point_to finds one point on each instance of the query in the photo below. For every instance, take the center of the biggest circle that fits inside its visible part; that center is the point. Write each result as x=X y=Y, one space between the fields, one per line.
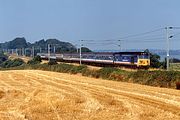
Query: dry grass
x=26 y=59
x=175 y=66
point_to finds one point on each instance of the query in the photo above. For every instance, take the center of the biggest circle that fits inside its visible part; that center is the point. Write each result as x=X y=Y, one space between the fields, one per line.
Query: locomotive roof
x=134 y=53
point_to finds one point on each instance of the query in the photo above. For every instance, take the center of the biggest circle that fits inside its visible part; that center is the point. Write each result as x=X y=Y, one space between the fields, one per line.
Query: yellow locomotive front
x=143 y=60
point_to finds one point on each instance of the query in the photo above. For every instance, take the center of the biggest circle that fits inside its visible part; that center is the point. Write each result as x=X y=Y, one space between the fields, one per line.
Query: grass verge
x=168 y=79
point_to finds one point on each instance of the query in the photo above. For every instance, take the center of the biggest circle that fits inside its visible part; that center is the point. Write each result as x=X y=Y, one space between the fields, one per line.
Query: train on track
x=130 y=59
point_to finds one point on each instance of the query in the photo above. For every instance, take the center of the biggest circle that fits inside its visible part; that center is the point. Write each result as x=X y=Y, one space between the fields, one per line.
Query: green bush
x=17 y=62
x=106 y=72
x=32 y=62
x=152 y=78
x=52 y=62
x=35 y=60
x=90 y=73
x=65 y=68
x=78 y=69
x=119 y=75
x=3 y=57
x=155 y=78
x=12 y=63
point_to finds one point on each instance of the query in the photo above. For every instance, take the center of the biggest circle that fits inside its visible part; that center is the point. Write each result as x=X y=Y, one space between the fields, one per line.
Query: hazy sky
x=73 y=20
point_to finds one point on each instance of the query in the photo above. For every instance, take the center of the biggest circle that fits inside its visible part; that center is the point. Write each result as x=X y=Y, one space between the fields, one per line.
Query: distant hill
x=60 y=46
x=16 y=43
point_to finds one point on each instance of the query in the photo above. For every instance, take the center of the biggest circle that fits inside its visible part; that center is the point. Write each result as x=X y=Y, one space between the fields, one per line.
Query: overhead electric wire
x=127 y=40
x=150 y=41
x=101 y=40
x=175 y=39
x=104 y=45
x=175 y=27
x=116 y=44
x=140 y=34
x=144 y=40
x=177 y=34
x=153 y=36
x=146 y=36
x=97 y=41
x=137 y=37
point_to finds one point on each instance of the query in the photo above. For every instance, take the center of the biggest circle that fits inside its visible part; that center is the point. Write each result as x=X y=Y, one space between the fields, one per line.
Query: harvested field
x=43 y=95
x=26 y=59
x=175 y=66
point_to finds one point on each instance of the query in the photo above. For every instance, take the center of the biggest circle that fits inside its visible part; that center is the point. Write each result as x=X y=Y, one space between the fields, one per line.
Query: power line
x=146 y=36
x=140 y=37
x=153 y=39
x=176 y=34
x=174 y=27
x=125 y=40
x=144 y=33
x=175 y=39
x=101 y=40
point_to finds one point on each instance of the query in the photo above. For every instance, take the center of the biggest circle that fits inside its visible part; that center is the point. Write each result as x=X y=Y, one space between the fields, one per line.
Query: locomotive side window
x=143 y=56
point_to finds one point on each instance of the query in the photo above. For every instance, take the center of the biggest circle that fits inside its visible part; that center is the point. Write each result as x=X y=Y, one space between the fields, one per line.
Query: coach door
x=132 y=59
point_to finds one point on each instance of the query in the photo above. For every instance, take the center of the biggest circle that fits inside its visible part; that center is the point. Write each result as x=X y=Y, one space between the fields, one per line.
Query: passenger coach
x=136 y=59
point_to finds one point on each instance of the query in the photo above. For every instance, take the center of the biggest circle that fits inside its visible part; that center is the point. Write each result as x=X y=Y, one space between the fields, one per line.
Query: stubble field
x=43 y=95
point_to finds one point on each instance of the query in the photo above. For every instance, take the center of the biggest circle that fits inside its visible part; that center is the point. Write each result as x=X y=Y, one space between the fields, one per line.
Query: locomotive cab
x=143 y=60
x=138 y=59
